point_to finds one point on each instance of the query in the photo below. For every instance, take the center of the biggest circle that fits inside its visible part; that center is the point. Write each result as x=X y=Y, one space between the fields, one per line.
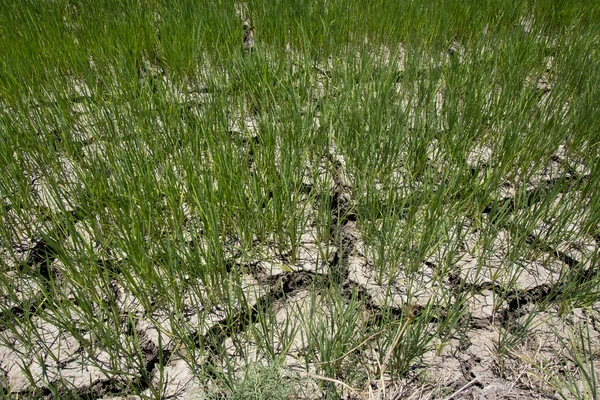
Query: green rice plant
x=408 y=340
x=147 y=151
x=332 y=334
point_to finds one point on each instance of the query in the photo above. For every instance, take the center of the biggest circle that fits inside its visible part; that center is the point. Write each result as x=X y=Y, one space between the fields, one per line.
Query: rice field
x=288 y=199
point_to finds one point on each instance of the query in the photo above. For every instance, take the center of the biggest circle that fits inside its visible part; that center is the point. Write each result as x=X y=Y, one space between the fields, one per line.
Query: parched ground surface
x=507 y=315
x=487 y=307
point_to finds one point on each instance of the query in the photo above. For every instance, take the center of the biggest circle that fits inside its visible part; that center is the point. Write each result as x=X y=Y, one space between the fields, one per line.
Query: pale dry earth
x=488 y=357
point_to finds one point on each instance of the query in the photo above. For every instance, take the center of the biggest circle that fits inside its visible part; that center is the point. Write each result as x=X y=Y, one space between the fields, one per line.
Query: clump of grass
x=264 y=383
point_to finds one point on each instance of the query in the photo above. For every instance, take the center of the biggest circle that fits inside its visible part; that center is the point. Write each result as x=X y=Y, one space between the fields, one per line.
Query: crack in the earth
x=280 y=287
x=508 y=205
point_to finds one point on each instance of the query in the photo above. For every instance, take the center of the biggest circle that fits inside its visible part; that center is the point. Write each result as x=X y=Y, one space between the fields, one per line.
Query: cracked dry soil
x=469 y=363
x=509 y=316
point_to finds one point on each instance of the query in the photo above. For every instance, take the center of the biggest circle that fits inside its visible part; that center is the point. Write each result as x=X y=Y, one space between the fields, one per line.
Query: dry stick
x=461 y=389
x=381 y=387
x=386 y=360
x=324 y=378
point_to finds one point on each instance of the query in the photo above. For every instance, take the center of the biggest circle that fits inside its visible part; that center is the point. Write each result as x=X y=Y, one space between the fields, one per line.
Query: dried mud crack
x=529 y=197
x=369 y=217
x=281 y=287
